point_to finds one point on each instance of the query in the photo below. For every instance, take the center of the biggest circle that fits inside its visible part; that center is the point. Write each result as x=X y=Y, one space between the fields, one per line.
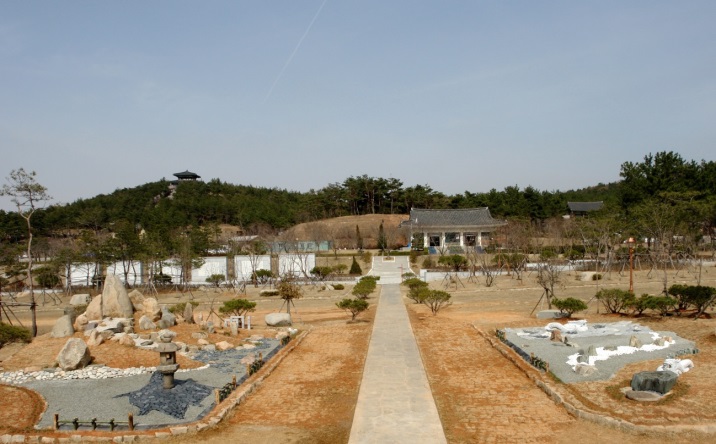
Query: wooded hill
x=664 y=177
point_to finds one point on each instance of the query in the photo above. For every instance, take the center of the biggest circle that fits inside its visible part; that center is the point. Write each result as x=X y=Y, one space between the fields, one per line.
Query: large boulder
x=81 y=322
x=151 y=308
x=278 y=319
x=660 y=382
x=168 y=319
x=63 y=327
x=80 y=299
x=145 y=323
x=113 y=302
x=224 y=345
x=137 y=299
x=74 y=355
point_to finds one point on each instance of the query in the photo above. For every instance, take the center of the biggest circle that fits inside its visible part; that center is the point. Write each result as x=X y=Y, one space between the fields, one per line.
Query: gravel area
x=607 y=339
x=141 y=395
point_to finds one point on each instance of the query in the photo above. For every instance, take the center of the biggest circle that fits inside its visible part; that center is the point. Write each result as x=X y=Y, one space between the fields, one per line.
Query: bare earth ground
x=480 y=395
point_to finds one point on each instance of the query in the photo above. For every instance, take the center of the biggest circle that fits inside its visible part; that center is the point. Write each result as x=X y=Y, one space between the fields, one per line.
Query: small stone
x=635 y=342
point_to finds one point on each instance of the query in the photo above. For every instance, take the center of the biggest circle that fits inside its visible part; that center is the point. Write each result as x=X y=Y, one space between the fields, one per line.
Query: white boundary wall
x=299 y=265
x=81 y=275
x=212 y=265
x=242 y=266
x=134 y=277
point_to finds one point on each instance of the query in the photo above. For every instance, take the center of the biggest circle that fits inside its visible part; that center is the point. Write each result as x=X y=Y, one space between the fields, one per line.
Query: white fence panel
x=212 y=265
x=242 y=266
x=81 y=275
x=134 y=277
x=298 y=265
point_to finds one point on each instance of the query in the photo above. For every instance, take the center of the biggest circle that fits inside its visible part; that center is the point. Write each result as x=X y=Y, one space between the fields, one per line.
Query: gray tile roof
x=460 y=218
x=579 y=207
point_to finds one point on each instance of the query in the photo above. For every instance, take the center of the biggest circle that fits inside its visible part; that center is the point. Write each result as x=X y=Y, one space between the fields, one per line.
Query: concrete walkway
x=395 y=404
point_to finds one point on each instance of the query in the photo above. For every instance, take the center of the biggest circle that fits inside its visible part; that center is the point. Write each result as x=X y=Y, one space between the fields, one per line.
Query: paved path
x=395 y=404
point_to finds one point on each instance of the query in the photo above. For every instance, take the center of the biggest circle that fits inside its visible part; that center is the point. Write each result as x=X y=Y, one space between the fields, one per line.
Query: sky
x=459 y=95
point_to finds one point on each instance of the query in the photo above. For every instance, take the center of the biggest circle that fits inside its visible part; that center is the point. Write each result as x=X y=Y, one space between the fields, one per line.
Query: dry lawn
x=481 y=396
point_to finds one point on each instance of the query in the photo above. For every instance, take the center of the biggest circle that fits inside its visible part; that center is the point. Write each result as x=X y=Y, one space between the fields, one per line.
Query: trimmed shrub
x=216 y=279
x=569 y=306
x=11 y=333
x=237 y=307
x=364 y=288
x=415 y=286
x=354 y=306
x=338 y=287
x=435 y=299
x=614 y=299
x=176 y=308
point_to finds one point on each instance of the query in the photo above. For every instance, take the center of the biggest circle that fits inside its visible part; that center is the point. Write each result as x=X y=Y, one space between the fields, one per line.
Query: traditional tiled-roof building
x=469 y=227
x=187 y=175
x=582 y=208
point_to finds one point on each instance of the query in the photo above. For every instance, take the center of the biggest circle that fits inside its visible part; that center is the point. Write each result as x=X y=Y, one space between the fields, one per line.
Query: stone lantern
x=167 y=360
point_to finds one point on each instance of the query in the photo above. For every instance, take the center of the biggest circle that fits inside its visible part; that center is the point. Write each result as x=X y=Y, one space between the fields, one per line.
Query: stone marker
x=188 y=314
x=660 y=382
x=278 y=319
x=74 y=355
x=63 y=327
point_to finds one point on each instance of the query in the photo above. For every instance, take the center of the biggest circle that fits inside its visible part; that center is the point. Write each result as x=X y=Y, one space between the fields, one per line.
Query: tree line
x=663 y=183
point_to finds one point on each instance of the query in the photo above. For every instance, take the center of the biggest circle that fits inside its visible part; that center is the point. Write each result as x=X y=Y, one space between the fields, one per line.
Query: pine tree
x=359 y=239
x=382 y=241
x=355 y=268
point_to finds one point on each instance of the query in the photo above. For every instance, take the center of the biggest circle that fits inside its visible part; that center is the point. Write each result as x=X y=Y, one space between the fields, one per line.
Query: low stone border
x=214 y=417
x=580 y=411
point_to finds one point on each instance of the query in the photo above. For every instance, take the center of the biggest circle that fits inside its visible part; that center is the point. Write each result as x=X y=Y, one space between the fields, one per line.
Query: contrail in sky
x=295 y=50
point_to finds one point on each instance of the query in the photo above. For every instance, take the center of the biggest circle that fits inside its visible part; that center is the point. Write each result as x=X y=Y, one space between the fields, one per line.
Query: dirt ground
x=480 y=395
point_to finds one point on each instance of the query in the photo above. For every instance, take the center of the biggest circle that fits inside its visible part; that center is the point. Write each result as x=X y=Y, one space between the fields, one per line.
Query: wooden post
x=130 y=421
x=217 y=396
x=233 y=382
x=56 y=421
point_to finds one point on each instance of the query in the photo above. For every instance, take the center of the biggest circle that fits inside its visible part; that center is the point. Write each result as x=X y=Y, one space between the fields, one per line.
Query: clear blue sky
x=468 y=95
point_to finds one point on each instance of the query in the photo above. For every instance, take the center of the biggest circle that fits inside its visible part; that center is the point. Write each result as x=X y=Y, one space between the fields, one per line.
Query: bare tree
x=26 y=194
x=548 y=276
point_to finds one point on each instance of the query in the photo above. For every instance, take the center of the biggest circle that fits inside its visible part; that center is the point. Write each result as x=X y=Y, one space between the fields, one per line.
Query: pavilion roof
x=583 y=207
x=187 y=175
x=464 y=217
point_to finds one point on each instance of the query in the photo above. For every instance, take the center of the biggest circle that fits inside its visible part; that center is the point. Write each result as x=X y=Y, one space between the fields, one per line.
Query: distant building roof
x=187 y=175
x=460 y=218
x=584 y=207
